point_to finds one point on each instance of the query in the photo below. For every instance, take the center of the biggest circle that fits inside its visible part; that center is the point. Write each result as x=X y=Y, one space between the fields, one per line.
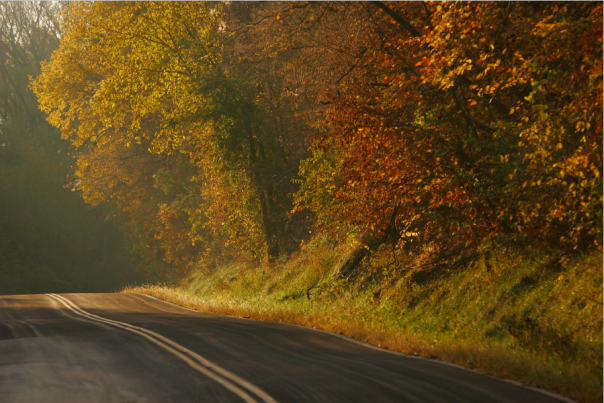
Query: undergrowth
x=529 y=317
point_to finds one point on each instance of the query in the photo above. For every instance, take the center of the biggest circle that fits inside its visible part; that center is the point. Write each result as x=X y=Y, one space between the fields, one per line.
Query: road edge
x=371 y=346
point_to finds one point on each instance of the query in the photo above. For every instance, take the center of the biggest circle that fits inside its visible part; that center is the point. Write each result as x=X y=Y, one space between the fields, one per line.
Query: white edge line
x=374 y=347
x=206 y=367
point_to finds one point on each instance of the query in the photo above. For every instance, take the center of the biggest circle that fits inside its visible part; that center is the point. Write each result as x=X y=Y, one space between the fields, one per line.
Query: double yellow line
x=232 y=382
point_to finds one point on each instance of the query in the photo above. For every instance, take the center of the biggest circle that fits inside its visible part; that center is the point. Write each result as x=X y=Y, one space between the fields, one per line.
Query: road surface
x=133 y=348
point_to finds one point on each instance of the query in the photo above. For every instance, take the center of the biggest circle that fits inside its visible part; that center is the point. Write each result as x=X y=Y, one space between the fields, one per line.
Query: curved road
x=133 y=348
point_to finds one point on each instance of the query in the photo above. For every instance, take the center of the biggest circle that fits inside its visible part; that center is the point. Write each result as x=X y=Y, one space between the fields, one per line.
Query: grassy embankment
x=515 y=316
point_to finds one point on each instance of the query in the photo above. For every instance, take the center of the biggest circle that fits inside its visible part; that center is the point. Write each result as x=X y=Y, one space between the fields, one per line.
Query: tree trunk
x=368 y=244
x=264 y=194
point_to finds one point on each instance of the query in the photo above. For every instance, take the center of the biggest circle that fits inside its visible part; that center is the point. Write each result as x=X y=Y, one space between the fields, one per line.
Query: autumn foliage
x=223 y=131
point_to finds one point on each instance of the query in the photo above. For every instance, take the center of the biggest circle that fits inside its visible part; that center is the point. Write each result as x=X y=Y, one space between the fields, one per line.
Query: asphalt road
x=132 y=348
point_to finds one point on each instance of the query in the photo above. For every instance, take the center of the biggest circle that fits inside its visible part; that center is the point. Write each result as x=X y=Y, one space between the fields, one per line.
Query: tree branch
x=403 y=22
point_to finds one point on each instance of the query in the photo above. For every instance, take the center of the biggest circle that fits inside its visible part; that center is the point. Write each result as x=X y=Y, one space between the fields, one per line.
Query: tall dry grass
x=516 y=316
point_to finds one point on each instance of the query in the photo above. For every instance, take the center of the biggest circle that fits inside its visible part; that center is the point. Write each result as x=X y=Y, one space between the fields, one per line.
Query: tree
x=452 y=125
x=172 y=130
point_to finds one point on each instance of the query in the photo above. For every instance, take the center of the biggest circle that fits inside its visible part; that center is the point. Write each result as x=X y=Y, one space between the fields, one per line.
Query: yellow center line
x=232 y=382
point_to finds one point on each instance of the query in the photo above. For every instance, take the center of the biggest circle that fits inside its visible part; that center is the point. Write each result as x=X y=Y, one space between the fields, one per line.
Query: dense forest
x=237 y=131
x=50 y=239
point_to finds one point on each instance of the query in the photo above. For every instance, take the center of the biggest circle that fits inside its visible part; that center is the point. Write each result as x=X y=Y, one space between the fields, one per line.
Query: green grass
x=514 y=316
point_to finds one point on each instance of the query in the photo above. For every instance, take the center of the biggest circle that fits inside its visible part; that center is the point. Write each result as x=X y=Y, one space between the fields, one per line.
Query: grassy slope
x=513 y=317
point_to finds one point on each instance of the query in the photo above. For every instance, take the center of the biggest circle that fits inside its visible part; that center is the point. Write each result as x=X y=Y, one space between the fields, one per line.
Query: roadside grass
x=527 y=318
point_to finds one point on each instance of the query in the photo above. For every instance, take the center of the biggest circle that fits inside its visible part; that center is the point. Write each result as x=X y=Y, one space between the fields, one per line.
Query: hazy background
x=50 y=240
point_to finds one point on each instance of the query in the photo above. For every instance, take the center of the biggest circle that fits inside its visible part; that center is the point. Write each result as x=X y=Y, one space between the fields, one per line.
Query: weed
x=533 y=318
